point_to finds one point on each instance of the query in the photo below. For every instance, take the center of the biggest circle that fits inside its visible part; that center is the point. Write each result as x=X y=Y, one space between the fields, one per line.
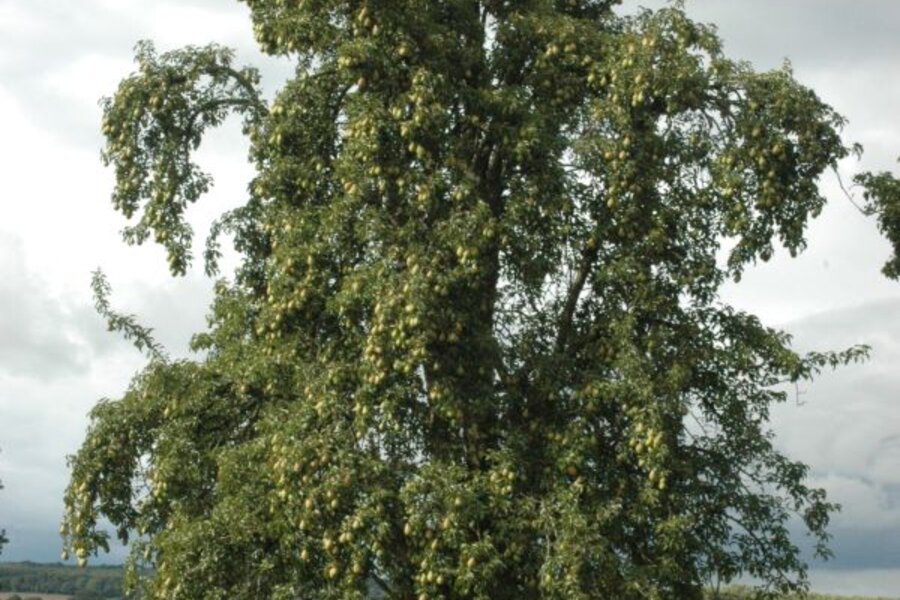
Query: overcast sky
x=56 y=358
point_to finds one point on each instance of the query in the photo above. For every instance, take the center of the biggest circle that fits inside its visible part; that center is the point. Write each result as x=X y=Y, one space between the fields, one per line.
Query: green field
x=32 y=596
x=61 y=582
x=46 y=580
x=741 y=593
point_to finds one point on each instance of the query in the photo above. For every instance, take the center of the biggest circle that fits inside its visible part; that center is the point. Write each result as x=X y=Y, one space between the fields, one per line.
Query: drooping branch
x=588 y=257
x=154 y=122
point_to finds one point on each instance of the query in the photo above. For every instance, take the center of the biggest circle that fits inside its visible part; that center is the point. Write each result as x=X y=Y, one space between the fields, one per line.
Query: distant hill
x=33 y=596
x=89 y=583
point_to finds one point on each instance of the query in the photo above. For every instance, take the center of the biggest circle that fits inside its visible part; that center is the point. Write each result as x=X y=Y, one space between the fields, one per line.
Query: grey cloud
x=176 y=309
x=44 y=337
x=42 y=420
x=854 y=549
x=34 y=337
x=822 y=33
x=53 y=32
x=871 y=549
x=55 y=35
x=881 y=318
x=847 y=428
x=832 y=33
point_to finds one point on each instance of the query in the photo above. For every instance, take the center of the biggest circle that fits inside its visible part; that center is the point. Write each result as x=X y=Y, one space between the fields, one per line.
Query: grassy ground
x=731 y=594
x=735 y=593
x=741 y=593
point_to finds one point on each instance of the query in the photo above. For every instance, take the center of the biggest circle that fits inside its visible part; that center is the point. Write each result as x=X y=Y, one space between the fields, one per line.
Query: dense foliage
x=475 y=347
x=94 y=582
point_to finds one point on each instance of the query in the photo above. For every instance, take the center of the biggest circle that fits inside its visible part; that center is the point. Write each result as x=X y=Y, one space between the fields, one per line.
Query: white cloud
x=34 y=337
x=67 y=81
x=847 y=428
x=170 y=23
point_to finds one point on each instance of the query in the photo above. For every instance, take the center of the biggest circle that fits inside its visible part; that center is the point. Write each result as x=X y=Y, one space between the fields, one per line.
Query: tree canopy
x=475 y=346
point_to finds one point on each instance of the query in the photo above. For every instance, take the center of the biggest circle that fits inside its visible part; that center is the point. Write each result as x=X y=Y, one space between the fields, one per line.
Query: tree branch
x=381 y=584
x=588 y=256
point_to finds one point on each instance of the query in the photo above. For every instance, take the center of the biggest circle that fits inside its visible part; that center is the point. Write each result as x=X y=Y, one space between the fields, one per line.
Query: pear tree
x=475 y=346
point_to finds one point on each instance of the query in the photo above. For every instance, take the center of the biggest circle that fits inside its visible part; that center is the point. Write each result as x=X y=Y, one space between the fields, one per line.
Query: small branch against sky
x=124 y=324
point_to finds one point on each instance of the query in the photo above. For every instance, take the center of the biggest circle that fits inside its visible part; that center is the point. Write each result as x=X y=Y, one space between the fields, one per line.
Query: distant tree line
x=3 y=539
x=77 y=596
x=93 y=583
